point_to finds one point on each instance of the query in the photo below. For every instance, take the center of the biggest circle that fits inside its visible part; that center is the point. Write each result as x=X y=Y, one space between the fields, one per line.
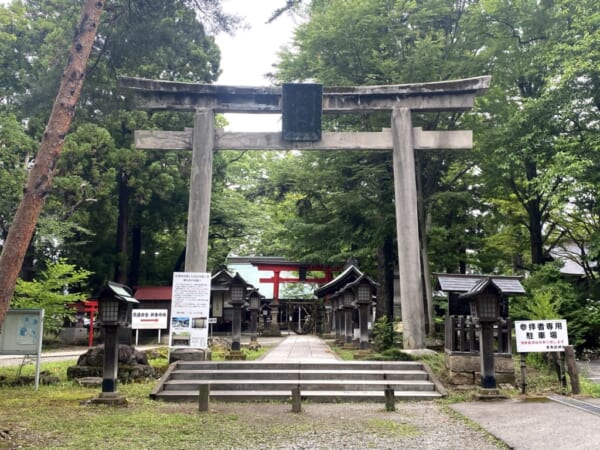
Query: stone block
x=189 y=354
x=458 y=378
x=465 y=368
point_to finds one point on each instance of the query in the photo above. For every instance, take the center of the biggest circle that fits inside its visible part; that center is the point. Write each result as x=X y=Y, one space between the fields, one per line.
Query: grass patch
x=219 y=353
x=589 y=388
x=344 y=353
x=391 y=354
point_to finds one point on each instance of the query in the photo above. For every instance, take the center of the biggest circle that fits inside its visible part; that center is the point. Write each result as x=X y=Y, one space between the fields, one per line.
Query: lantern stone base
x=253 y=345
x=109 y=399
x=489 y=394
x=272 y=330
x=235 y=355
x=190 y=354
x=464 y=368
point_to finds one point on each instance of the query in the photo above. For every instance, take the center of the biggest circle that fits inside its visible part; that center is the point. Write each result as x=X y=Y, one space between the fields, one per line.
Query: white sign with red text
x=149 y=319
x=548 y=335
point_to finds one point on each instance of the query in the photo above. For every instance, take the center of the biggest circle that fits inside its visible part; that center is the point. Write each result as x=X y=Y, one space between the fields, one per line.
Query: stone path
x=300 y=348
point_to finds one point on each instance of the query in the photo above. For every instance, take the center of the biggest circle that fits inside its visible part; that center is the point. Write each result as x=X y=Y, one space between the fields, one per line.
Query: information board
x=190 y=306
x=21 y=334
x=541 y=335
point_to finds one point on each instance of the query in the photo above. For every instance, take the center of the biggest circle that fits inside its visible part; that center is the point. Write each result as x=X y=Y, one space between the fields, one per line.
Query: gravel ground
x=414 y=425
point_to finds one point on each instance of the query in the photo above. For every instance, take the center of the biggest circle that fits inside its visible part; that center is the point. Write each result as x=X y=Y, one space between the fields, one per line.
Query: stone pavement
x=534 y=425
x=300 y=348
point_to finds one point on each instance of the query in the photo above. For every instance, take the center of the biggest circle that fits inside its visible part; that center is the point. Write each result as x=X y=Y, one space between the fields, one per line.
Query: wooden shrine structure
x=462 y=332
x=402 y=139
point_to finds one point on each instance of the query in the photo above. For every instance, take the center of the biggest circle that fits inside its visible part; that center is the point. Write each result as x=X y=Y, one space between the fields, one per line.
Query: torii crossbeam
x=402 y=139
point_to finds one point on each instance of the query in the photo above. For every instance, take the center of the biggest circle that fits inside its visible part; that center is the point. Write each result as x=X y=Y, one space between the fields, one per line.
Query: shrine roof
x=349 y=275
x=145 y=293
x=460 y=283
x=373 y=284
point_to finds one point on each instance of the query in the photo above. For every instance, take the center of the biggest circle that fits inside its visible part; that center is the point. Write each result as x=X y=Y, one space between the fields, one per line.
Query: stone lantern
x=348 y=305
x=364 y=300
x=114 y=309
x=237 y=290
x=484 y=301
x=254 y=306
x=337 y=321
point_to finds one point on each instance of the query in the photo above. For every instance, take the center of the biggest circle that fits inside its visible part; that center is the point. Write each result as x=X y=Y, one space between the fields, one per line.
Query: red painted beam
x=295 y=267
x=293 y=280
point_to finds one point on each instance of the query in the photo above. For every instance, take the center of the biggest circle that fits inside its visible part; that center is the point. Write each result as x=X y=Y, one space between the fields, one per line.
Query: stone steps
x=318 y=382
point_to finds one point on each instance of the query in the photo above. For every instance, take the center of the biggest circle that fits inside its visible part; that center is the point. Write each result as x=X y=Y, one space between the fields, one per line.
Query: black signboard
x=301 y=105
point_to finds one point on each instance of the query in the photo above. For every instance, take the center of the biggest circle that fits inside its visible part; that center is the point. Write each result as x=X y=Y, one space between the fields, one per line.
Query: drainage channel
x=584 y=406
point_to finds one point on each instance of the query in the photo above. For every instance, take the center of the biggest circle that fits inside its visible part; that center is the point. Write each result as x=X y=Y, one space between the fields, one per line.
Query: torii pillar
x=203 y=137
x=407 y=230
x=403 y=140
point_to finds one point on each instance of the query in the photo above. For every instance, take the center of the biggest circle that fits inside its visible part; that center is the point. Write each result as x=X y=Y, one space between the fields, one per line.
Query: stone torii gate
x=402 y=139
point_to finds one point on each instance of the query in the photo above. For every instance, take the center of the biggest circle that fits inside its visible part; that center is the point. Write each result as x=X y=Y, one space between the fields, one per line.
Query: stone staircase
x=337 y=381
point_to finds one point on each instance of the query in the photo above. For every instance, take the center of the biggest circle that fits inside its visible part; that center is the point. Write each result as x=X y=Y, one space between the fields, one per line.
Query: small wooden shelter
x=461 y=343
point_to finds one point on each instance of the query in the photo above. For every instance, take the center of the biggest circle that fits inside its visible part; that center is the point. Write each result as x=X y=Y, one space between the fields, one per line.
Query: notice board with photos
x=21 y=333
x=190 y=306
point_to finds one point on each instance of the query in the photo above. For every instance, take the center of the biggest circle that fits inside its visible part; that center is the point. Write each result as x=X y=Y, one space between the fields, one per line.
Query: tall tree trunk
x=535 y=232
x=534 y=212
x=40 y=177
x=136 y=252
x=385 y=278
x=122 y=228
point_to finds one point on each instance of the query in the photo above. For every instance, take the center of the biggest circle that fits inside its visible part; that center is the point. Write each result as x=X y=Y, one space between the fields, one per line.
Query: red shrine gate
x=293 y=312
x=303 y=270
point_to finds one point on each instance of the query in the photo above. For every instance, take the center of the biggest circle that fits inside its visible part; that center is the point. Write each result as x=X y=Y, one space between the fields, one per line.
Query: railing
x=462 y=335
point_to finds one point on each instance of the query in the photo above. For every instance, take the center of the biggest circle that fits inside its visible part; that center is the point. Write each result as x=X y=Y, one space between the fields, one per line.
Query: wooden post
x=390 y=399
x=204 y=397
x=407 y=230
x=296 y=400
x=200 y=191
x=523 y=373
x=486 y=353
x=572 y=370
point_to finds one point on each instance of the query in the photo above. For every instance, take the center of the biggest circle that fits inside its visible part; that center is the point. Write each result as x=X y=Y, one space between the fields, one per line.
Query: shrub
x=383 y=334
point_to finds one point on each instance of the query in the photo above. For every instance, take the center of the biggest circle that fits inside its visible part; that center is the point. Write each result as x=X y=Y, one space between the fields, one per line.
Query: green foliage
x=56 y=287
x=546 y=292
x=384 y=336
x=80 y=217
x=391 y=354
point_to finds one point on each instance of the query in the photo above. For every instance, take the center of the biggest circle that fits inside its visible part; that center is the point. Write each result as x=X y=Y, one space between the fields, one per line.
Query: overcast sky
x=250 y=54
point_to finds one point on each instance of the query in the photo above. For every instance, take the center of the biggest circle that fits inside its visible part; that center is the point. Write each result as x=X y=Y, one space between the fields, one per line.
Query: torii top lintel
x=453 y=95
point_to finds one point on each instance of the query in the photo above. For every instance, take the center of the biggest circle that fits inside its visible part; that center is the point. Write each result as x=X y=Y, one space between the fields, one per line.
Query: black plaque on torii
x=301 y=106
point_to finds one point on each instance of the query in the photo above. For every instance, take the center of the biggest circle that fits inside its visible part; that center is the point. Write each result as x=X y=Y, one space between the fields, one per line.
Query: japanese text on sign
x=541 y=335
x=190 y=307
x=149 y=319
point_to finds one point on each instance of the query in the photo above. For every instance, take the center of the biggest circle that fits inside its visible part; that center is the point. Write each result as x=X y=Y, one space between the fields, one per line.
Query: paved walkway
x=300 y=348
x=535 y=425
x=522 y=425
